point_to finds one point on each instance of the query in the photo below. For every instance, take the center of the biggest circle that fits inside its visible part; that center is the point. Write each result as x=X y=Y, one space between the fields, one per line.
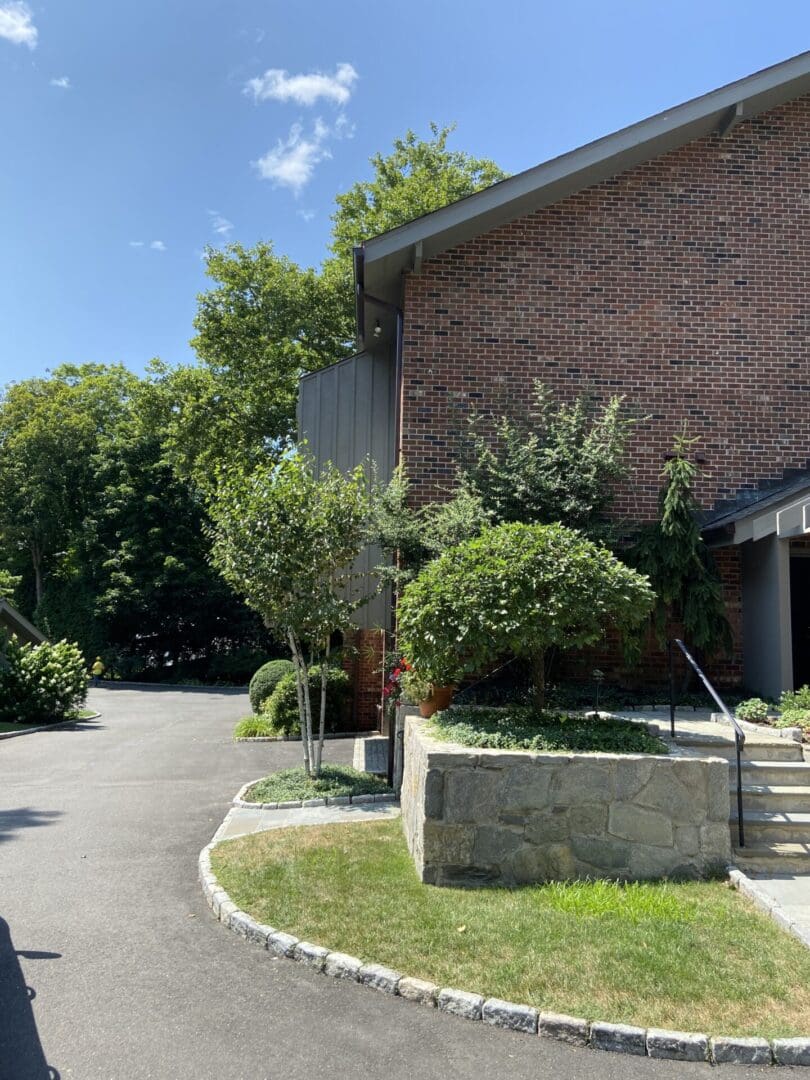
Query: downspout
x=361 y=298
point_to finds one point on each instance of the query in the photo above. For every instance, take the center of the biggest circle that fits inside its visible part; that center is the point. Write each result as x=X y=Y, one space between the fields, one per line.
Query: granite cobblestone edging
x=524 y=1019
x=299 y=804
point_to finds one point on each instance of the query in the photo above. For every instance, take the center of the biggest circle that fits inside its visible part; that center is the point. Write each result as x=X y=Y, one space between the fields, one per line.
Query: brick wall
x=681 y=284
x=364 y=660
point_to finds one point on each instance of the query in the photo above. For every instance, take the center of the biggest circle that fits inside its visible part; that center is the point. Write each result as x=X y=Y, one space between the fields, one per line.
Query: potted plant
x=429 y=694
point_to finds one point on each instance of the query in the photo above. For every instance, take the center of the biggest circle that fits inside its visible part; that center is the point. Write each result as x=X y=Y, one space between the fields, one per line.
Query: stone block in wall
x=611 y=857
x=684 y=800
x=451 y=844
x=582 y=780
x=643 y=826
x=471 y=795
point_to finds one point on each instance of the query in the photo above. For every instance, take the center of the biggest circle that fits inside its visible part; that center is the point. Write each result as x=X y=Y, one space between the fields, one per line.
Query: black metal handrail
x=739 y=734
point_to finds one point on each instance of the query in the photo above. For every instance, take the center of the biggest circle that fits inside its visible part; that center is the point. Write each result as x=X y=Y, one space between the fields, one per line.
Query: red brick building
x=667 y=263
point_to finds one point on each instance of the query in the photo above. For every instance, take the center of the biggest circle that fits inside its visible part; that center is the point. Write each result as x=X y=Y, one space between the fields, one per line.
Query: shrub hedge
x=40 y=683
x=265 y=680
x=282 y=708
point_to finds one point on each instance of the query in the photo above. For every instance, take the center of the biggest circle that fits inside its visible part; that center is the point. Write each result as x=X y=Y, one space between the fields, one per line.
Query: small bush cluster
x=525 y=728
x=266 y=680
x=40 y=683
x=334 y=781
x=795 y=699
x=795 y=718
x=754 y=709
x=281 y=710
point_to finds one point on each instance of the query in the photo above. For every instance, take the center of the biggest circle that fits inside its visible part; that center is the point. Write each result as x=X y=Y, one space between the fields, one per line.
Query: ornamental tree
x=518 y=589
x=672 y=553
x=285 y=539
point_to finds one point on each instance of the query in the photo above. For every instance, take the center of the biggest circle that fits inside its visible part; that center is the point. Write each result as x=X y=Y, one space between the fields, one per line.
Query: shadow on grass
x=21 y=1053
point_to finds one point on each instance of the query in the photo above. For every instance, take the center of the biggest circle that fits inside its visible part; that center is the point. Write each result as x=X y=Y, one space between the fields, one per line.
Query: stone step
x=773 y=772
x=778 y=827
x=756 y=749
x=772 y=797
x=775 y=858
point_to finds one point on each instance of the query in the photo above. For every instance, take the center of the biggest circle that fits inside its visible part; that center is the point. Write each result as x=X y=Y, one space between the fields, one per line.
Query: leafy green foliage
x=40 y=683
x=419 y=176
x=516 y=589
x=754 y=710
x=254 y=727
x=282 y=708
x=285 y=540
x=558 y=462
x=8 y=584
x=334 y=781
x=795 y=699
x=266 y=679
x=265 y=322
x=680 y=567
x=517 y=728
x=795 y=718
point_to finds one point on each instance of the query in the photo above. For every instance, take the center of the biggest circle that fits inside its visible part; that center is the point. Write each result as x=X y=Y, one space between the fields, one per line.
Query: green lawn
x=335 y=780
x=694 y=956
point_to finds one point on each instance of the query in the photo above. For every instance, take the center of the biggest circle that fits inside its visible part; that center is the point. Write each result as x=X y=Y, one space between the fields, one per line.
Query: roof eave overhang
x=387 y=256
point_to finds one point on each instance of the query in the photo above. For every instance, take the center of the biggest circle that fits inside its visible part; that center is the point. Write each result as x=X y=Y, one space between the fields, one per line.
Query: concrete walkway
x=791 y=892
x=111 y=967
x=240 y=821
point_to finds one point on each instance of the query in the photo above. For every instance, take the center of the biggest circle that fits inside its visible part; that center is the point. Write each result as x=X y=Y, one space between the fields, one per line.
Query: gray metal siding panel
x=346 y=414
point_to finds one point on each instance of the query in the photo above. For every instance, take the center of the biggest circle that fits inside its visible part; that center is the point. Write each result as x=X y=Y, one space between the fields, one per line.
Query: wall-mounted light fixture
x=377 y=329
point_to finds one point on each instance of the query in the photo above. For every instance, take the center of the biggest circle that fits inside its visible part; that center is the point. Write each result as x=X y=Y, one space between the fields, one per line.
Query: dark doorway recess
x=800 y=618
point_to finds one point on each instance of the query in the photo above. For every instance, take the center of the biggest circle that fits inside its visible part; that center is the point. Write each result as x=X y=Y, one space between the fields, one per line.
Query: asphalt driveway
x=111 y=967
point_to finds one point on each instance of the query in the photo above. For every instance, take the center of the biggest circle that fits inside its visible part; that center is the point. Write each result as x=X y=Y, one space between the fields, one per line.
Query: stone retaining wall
x=475 y=815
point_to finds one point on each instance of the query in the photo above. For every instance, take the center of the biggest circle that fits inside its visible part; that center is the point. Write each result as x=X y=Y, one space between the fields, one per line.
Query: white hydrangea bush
x=41 y=683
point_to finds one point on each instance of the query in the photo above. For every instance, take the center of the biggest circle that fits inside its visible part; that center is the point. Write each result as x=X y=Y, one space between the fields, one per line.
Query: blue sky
x=136 y=132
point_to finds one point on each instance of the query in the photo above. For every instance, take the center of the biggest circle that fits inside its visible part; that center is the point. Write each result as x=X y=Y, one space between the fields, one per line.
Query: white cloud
x=157 y=245
x=220 y=224
x=16 y=24
x=63 y=82
x=307 y=215
x=292 y=162
x=344 y=128
x=278 y=85
x=136 y=243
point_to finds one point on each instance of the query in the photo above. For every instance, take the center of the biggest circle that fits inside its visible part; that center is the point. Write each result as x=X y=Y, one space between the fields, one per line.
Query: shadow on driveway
x=170 y=688
x=26 y=817
x=21 y=1054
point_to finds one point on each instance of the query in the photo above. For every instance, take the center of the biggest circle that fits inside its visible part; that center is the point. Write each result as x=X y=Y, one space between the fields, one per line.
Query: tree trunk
x=36 y=559
x=322 y=728
x=539 y=679
x=302 y=687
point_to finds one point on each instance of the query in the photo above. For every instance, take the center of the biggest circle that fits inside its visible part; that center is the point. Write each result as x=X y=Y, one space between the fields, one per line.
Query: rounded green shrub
x=754 y=710
x=516 y=589
x=266 y=680
x=282 y=708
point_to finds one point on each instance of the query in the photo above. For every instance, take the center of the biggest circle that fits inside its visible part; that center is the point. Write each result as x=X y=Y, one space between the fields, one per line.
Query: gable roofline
x=386 y=256
x=17 y=623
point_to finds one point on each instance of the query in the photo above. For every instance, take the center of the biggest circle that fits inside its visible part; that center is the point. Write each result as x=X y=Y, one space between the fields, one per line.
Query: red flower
x=395 y=674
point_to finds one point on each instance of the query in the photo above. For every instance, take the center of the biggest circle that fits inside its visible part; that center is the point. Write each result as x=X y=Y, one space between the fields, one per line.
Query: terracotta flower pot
x=440 y=698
